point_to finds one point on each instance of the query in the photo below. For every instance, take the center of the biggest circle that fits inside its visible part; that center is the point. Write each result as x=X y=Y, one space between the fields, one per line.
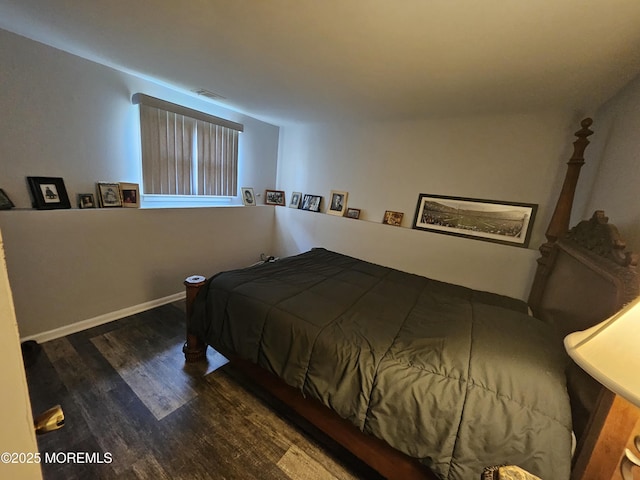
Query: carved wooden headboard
x=584 y=275
x=587 y=277
x=594 y=253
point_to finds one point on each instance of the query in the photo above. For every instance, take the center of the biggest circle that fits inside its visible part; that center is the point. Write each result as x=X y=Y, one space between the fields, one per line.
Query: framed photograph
x=48 y=193
x=86 y=200
x=109 y=195
x=337 y=203
x=311 y=203
x=353 y=213
x=274 y=197
x=295 y=200
x=509 y=223
x=130 y=195
x=248 y=198
x=5 y=202
x=392 y=218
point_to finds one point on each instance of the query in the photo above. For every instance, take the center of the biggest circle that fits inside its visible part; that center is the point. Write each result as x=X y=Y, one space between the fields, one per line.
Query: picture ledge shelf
x=111 y=209
x=399 y=227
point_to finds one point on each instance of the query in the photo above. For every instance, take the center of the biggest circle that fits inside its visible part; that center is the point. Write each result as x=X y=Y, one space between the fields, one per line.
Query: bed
x=420 y=378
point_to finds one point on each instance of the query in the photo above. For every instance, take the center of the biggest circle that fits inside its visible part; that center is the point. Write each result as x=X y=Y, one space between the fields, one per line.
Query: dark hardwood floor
x=128 y=397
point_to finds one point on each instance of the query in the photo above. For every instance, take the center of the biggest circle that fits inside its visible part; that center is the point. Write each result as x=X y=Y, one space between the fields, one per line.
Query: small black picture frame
x=86 y=200
x=311 y=203
x=353 y=213
x=5 y=201
x=48 y=193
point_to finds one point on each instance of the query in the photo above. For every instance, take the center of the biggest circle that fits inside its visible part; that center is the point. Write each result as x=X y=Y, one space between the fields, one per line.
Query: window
x=186 y=152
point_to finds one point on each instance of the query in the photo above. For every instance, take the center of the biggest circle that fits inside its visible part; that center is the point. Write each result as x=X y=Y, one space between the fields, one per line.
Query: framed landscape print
x=274 y=197
x=48 y=193
x=490 y=220
x=337 y=203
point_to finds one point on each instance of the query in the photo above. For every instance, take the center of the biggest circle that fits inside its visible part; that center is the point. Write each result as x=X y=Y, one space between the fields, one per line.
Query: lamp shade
x=610 y=352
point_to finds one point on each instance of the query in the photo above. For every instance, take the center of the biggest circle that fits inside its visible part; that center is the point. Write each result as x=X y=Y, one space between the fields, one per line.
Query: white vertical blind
x=217 y=160
x=184 y=152
x=167 y=149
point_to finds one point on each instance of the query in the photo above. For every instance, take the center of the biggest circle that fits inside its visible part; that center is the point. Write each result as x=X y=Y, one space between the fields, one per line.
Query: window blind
x=186 y=152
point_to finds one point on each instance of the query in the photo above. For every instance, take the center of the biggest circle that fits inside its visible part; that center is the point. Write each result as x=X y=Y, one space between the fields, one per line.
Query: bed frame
x=583 y=276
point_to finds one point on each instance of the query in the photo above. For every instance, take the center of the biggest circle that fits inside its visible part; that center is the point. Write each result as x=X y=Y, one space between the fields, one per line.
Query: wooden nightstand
x=614 y=427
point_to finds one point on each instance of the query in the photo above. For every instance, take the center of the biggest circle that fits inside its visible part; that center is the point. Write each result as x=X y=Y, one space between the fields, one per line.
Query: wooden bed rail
x=377 y=454
x=391 y=463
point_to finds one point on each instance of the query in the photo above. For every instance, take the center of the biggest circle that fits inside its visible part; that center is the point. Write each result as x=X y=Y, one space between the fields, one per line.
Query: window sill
x=184 y=201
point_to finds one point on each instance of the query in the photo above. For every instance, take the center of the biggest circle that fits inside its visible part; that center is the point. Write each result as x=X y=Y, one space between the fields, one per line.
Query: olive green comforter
x=458 y=378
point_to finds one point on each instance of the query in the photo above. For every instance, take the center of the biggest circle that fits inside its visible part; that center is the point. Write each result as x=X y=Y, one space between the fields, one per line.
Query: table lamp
x=610 y=353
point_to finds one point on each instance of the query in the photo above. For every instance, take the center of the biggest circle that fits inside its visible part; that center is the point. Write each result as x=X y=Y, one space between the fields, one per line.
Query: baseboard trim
x=102 y=319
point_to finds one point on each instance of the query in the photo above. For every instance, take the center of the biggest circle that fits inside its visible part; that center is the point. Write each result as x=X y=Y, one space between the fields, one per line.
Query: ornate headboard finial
x=585 y=124
x=580 y=144
x=603 y=239
x=559 y=224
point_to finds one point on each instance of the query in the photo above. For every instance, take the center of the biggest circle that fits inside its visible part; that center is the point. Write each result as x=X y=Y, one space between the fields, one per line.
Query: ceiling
x=318 y=60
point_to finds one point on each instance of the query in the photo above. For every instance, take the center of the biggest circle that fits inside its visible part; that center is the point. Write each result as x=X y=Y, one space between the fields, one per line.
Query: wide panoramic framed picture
x=508 y=223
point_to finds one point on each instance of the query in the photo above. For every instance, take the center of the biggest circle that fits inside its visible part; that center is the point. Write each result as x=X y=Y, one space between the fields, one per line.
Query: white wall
x=488 y=266
x=17 y=433
x=69 y=117
x=614 y=186
x=73 y=118
x=517 y=158
x=70 y=266
x=64 y=116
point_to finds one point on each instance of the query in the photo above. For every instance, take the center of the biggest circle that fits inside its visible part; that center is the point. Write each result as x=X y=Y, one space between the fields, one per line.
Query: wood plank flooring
x=125 y=390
